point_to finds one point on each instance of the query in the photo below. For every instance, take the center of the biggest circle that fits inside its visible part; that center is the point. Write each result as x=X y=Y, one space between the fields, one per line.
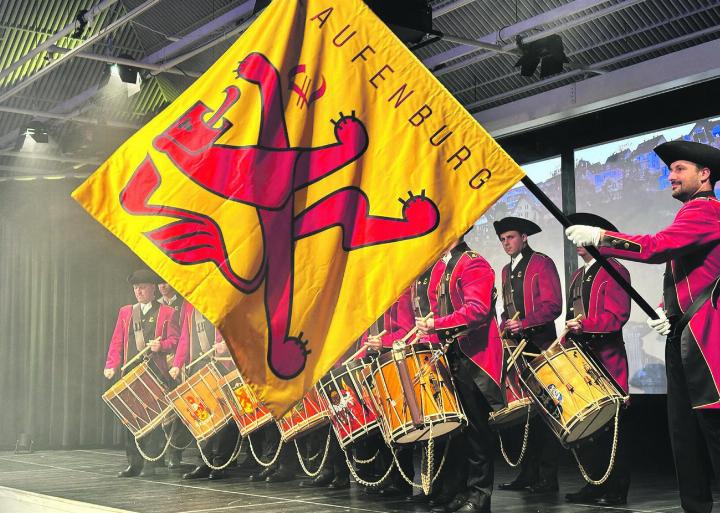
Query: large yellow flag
x=299 y=186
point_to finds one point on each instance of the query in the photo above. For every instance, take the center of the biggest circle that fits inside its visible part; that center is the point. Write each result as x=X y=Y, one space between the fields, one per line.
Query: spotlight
x=38 y=132
x=128 y=74
x=548 y=52
x=82 y=22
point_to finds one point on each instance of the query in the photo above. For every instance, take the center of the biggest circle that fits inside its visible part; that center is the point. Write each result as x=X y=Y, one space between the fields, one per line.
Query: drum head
x=590 y=421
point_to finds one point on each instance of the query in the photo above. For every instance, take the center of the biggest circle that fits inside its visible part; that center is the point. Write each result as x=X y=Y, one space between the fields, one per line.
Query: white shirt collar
x=168 y=301
x=515 y=260
x=446 y=257
x=145 y=307
x=589 y=264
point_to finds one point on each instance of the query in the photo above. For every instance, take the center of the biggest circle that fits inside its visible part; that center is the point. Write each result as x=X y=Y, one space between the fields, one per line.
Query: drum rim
x=418 y=347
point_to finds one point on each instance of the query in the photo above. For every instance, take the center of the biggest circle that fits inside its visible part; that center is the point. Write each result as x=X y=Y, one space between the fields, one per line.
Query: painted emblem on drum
x=197 y=409
x=555 y=393
x=342 y=401
x=244 y=399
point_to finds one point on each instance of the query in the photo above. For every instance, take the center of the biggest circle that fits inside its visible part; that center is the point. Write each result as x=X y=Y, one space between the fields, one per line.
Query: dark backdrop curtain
x=62 y=280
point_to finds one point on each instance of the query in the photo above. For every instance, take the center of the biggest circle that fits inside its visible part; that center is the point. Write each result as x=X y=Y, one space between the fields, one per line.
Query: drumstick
x=136 y=357
x=516 y=353
x=356 y=353
x=201 y=357
x=564 y=332
x=514 y=318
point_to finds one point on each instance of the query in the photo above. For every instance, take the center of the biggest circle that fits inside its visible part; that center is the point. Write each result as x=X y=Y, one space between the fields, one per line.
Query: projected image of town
x=519 y=202
x=625 y=182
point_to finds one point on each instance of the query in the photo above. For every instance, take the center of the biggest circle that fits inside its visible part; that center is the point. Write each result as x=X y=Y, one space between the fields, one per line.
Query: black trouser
x=595 y=455
x=219 y=448
x=540 y=463
x=477 y=443
x=694 y=435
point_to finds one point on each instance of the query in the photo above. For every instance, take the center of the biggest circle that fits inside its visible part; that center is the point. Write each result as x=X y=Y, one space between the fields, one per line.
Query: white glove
x=661 y=325
x=583 y=235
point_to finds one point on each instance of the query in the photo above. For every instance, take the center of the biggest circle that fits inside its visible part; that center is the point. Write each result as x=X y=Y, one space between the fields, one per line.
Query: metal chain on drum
x=261 y=462
x=172 y=445
x=524 y=444
x=360 y=480
x=167 y=444
x=324 y=458
x=611 y=464
x=365 y=462
x=235 y=453
x=426 y=479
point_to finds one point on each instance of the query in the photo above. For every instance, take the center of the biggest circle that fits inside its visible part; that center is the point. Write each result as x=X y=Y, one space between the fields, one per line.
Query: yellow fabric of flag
x=299 y=186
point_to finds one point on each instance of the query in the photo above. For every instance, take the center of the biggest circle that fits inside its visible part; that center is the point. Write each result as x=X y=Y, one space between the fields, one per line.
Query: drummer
x=196 y=335
x=532 y=300
x=460 y=292
x=605 y=308
x=393 y=325
x=181 y=436
x=144 y=323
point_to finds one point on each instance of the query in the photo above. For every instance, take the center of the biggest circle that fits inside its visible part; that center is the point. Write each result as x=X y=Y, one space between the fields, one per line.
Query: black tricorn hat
x=519 y=224
x=144 y=276
x=592 y=220
x=703 y=155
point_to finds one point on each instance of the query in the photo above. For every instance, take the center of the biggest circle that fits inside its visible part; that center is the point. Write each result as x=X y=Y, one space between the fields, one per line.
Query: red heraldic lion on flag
x=267 y=176
x=267 y=193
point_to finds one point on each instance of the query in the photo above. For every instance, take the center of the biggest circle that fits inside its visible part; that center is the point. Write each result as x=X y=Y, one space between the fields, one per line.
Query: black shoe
x=199 y=472
x=131 y=471
x=262 y=475
x=471 y=507
x=612 y=499
x=280 y=476
x=588 y=494
x=321 y=480
x=543 y=486
x=440 y=500
x=339 y=483
x=515 y=485
x=216 y=475
x=147 y=471
x=451 y=505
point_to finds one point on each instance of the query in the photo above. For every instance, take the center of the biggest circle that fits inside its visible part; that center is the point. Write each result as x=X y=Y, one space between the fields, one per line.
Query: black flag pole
x=563 y=219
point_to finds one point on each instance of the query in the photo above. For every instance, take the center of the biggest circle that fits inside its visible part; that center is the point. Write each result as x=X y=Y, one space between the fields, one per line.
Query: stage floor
x=50 y=481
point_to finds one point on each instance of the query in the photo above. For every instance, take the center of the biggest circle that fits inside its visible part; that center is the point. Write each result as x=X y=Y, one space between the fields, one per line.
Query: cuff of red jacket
x=615 y=241
x=448 y=332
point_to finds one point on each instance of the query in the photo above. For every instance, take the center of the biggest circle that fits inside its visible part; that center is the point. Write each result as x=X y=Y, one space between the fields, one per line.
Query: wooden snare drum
x=414 y=394
x=249 y=413
x=573 y=395
x=139 y=399
x=200 y=403
x=307 y=415
x=351 y=410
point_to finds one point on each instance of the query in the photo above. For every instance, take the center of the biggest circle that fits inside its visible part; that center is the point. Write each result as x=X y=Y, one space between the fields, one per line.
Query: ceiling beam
x=648 y=78
x=5 y=95
x=66 y=30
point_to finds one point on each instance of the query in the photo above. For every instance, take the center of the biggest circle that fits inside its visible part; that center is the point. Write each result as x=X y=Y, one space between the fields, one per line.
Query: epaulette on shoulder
x=472 y=254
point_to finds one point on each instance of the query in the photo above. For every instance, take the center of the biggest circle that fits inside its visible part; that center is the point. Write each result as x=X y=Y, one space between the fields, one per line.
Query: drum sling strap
x=199 y=322
x=712 y=292
x=137 y=327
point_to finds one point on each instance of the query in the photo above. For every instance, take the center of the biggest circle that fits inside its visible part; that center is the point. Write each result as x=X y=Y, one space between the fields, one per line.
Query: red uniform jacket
x=118 y=350
x=606 y=308
x=471 y=289
x=187 y=351
x=542 y=298
x=691 y=244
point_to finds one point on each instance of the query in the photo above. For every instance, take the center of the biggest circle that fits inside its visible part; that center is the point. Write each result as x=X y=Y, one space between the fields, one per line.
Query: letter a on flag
x=299 y=186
